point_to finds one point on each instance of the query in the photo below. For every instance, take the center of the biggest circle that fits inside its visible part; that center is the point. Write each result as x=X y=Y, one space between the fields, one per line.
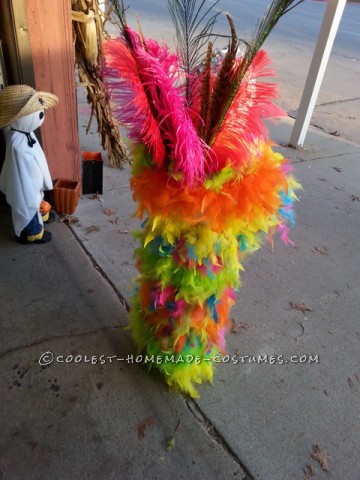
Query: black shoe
x=51 y=218
x=23 y=239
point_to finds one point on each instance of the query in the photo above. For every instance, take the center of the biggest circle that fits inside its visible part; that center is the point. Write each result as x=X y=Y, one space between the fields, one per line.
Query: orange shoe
x=47 y=216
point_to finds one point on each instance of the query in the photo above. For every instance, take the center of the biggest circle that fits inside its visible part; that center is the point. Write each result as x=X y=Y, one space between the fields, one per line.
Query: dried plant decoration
x=88 y=35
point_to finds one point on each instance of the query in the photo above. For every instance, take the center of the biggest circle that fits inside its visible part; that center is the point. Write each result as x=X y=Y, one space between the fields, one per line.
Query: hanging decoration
x=88 y=25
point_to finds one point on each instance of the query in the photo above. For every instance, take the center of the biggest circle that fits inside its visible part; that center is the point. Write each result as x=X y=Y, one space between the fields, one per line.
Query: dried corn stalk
x=88 y=33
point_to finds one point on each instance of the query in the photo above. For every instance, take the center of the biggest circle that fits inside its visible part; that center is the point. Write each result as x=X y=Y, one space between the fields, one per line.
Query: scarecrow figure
x=25 y=174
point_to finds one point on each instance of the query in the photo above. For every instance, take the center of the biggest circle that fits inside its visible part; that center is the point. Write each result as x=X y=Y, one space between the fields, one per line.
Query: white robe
x=25 y=173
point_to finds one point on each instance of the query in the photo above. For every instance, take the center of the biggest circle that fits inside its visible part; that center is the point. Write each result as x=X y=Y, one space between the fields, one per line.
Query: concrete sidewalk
x=79 y=418
x=114 y=420
x=271 y=416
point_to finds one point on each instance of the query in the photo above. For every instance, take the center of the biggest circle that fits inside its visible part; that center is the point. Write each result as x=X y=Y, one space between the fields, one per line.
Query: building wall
x=50 y=33
x=36 y=36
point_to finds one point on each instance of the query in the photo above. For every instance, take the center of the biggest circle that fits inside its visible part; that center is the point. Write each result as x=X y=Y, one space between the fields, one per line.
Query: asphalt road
x=291 y=46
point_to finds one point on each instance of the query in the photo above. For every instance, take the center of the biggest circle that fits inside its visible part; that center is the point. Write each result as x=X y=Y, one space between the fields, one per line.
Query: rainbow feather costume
x=208 y=188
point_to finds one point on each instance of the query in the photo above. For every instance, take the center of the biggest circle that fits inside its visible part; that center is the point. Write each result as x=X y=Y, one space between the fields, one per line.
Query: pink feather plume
x=139 y=72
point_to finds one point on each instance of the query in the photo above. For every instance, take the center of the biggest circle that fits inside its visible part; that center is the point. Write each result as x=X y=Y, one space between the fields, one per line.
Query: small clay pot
x=66 y=196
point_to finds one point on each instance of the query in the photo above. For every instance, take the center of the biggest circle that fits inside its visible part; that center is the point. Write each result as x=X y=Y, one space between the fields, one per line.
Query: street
x=291 y=46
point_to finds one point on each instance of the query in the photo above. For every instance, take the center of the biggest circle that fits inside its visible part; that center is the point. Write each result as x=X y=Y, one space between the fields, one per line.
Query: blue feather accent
x=211 y=304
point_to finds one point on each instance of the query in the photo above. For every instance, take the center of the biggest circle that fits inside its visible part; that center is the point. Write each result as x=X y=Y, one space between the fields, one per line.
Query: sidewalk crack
x=303 y=160
x=346 y=56
x=97 y=267
x=334 y=102
x=56 y=337
x=345 y=139
x=214 y=433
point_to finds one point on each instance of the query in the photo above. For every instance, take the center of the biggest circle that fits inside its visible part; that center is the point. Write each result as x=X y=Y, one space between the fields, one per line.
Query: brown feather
x=223 y=82
x=205 y=91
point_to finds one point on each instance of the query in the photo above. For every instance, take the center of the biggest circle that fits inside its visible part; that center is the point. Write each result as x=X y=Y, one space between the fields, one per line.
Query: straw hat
x=16 y=101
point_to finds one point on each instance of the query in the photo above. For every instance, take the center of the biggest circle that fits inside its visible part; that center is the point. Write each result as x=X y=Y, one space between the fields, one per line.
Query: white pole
x=315 y=76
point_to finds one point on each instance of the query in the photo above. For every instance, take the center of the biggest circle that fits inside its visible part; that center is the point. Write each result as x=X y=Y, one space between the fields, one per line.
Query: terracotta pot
x=66 y=196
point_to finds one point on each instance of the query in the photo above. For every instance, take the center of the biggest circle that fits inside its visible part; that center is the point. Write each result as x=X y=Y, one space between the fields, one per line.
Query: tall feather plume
x=160 y=118
x=205 y=91
x=118 y=7
x=244 y=122
x=163 y=120
x=275 y=11
x=222 y=83
x=121 y=63
x=129 y=98
x=194 y=22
